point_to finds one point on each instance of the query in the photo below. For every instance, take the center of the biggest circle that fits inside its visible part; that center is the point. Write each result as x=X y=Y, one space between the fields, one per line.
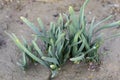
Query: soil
x=48 y=10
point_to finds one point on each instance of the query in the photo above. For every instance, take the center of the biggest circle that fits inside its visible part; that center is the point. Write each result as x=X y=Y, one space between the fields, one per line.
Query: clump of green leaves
x=56 y=47
x=86 y=38
x=71 y=39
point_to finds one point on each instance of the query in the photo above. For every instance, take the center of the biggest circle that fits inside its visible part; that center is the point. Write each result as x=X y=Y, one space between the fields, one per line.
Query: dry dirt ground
x=47 y=10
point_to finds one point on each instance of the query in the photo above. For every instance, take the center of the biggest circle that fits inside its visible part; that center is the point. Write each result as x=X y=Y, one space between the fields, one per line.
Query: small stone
x=89 y=12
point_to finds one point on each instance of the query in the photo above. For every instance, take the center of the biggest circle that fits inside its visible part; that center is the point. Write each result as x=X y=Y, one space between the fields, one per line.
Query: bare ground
x=47 y=11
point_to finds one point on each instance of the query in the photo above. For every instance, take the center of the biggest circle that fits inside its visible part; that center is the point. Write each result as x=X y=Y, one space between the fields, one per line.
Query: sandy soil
x=47 y=11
